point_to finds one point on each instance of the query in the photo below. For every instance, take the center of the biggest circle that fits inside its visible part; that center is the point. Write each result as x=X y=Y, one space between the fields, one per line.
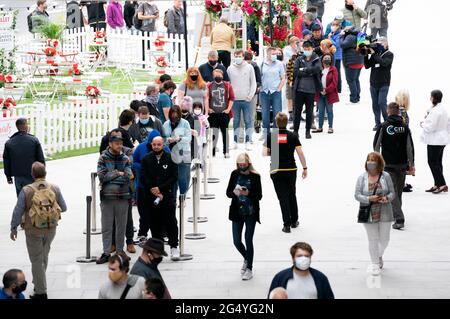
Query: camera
x=157 y=201
x=366 y=43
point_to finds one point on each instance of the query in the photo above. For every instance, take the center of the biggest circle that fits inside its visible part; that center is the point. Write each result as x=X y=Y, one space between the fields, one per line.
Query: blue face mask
x=274 y=58
x=144 y=121
x=308 y=53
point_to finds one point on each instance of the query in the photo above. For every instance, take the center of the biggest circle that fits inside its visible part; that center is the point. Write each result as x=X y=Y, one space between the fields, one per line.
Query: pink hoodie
x=114 y=15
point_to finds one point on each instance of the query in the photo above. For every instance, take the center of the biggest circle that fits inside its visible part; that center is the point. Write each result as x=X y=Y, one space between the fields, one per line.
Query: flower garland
x=92 y=91
x=215 y=7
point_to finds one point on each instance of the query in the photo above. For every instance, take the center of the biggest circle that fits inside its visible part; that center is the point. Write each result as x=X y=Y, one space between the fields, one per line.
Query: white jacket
x=436 y=127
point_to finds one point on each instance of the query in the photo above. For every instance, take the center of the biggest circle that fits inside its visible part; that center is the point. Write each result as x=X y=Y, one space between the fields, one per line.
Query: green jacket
x=355 y=16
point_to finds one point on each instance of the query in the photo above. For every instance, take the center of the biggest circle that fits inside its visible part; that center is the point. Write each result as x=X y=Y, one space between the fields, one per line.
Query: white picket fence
x=124 y=47
x=72 y=126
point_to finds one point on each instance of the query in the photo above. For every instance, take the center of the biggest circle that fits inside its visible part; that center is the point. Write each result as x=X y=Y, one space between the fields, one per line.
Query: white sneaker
x=227 y=155
x=374 y=269
x=244 y=267
x=248 y=146
x=248 y=274
x=174 y=254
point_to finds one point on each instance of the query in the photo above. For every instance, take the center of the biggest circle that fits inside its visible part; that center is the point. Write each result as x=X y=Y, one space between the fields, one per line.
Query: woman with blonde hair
x=244 y=189
x=403 y=100
x=375 y=192
x=193 y=86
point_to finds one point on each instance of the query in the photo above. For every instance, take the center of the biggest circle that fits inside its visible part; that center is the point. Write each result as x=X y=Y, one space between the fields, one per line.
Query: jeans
x=114 y=215
x=379 y=103
x=38 y=247
x=379 y=236
x=246 y=251
x=352 y=76
x=21 y=181
x=284 y=183
x=301 y=99
x=246 y=108
x=435 y=155
x=398 y=176
x=382 y=32
x=184 y=177
x=129 y=229
x=269 y=100
x=337 y=64
x=163 y=219
x=219 y=121
x=323 y=105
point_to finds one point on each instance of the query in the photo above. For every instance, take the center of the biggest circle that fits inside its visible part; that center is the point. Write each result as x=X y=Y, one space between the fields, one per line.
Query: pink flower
x=250 y=10
x=278 y=8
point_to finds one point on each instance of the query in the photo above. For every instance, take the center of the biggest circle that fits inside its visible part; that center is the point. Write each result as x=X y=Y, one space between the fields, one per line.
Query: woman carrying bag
x=375 y=192
x=244 y=188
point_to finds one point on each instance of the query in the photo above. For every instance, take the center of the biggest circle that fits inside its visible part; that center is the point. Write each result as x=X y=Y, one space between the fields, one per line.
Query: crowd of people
x=147 y=159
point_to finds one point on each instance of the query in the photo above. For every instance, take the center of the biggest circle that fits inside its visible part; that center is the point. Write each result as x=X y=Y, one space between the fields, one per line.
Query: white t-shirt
x=324 y=77
x=302 y=287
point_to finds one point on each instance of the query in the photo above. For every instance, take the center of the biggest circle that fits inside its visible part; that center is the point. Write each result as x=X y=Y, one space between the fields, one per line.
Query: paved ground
x=417 y=261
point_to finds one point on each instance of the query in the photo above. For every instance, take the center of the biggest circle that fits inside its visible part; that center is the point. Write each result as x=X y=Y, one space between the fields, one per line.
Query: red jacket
x=331 y=89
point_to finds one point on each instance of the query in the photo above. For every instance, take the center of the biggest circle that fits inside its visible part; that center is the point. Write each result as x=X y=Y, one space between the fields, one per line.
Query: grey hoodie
x=243 y=80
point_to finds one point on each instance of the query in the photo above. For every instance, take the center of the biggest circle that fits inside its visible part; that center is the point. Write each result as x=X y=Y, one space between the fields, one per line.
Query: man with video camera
x=379 y=59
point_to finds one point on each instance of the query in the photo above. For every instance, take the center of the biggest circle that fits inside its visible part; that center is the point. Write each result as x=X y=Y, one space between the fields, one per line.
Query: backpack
x=45 y=211
x=30 y=22
x=137 y=22
x=166 y=18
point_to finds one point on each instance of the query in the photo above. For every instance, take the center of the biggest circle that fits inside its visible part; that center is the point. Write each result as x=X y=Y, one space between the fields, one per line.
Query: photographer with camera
x=353 y=62
x=158 y=176
x=379 y=59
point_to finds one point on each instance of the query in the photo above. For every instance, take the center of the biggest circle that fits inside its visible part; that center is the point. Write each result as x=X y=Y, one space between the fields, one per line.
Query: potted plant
x=8 y=80
x=92 y=92
x=76 y=73
x=51 y=31
x=99 y=37
x=50 y=53
x=161 y=64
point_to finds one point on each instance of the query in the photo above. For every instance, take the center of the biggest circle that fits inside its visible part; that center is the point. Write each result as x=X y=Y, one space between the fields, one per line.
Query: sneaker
x=226 y=155
x=248 y=146
x=248 y=274
x=140 y=240
x=408 y=188
x=104 y=258
x=330 y=131
x=174 y=254
x=131 y=249
x=295 y=225
x=113 y=249
x=319 y=130
x=244 y=267
x=398 y=226
x=308 y=135
x=286 y=229
x=374 y=269
x=381 y=263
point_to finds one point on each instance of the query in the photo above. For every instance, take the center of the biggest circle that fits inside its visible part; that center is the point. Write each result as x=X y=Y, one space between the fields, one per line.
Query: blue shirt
x=271 y=76
x=164 y=102
x=4 y=296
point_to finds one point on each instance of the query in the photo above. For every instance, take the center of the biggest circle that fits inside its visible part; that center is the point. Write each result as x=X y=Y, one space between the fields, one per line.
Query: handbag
x=364 y=210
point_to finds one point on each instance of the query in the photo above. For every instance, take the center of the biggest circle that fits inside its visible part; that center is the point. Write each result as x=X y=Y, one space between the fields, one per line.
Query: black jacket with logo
x=162 y=173
x=395 y=140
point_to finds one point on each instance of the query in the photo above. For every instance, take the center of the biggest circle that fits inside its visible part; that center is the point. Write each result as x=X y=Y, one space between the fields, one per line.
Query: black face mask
x=280 y=57
x=18 y=289
x=194 y=77
x=243 y=169
x=349 y=7
x=212 y=63
x=327 y=62
x=157 y=152
x=218 y=79
x=157 y=261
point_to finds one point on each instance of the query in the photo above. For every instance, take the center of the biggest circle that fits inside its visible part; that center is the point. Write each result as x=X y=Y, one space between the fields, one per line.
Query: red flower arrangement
x=75 y=70
x=7 y=104
x=92 y=91
x=99 y=37
x=8 y=78
x=279 y=35
x=49 y=51
x=161 y=62
x=214 y=8
x=253 y=11
x=159 y=42
x=52 y=43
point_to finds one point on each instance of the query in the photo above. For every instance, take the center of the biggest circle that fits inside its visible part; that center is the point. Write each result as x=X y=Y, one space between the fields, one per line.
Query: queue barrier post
x=88 y=258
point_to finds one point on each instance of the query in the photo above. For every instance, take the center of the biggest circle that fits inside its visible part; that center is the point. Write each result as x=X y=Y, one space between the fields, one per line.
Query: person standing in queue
x=281 y=146
x=244 y=188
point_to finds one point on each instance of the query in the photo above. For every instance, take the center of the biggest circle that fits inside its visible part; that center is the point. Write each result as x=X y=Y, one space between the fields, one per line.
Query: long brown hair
x=191 y=84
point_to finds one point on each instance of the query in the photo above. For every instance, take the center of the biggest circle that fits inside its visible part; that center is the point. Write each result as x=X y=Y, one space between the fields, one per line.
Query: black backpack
x=137 y=22
x=30 y=22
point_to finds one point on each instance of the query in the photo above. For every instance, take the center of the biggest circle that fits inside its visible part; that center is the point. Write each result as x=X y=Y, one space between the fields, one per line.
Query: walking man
x=21 y=151
x=38 y=209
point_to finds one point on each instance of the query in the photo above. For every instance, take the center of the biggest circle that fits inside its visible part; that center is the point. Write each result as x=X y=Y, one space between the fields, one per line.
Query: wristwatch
x=305 y=168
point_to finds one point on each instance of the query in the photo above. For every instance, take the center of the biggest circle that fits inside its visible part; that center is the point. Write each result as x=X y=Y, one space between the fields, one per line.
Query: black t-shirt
x=96 y=10
x=127 y=140
x=282 y=145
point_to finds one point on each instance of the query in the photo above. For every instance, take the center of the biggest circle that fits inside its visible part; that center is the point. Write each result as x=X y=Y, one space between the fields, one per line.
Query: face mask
x=380 y=47
x=349 y=7
x=238 y=61
x=280 y=57
x=115 y=276
x=197 y=112
x=302 y=263
x=212 y=63
x=21 y=288
x=153 y=99
x=157 y=261
x=157 y=152
x=144 y=121
x=243 y=169
x=218 y=79
x=327 y=62
x=334 y=28
x=372 y=166
x=308 y=53
x=194 y=77
x=274 y=58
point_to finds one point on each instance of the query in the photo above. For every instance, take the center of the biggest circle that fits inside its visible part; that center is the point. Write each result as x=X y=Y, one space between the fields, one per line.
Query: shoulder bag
x=364 y=210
